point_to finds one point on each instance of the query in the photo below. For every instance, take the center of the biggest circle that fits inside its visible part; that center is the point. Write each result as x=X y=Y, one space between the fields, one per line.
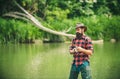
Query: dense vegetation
x=100 y=16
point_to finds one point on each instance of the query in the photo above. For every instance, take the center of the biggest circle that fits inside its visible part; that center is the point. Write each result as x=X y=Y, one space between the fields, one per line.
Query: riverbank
x=93 y=41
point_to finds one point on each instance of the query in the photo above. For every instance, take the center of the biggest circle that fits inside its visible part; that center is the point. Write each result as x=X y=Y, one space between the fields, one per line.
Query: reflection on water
x=53 y=61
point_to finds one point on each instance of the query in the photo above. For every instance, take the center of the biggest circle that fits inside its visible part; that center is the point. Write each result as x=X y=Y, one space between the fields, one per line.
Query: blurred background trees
x=100 y=16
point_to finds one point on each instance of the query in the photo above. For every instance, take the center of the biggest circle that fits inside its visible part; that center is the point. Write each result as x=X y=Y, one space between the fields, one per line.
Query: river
x=53 y=61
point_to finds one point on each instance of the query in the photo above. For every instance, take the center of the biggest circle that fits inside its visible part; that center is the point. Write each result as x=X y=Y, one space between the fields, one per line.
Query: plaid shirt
x=85 y=43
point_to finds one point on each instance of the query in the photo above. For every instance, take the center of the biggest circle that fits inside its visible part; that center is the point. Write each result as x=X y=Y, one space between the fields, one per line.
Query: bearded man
x=81 y=48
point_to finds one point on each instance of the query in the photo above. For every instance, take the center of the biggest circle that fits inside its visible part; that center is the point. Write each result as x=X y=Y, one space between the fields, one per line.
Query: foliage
x=114 y=6
x=98 y=27
x=6 y=6
x=80 y=9
x=57 y=14
x=112 y=29
x=17 y=31
x=101 y=19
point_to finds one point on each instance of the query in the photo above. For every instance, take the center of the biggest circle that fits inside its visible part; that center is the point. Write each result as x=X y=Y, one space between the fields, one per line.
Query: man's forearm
x=79 y=49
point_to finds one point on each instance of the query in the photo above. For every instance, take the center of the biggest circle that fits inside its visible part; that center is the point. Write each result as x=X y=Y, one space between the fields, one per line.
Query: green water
x=53 y=61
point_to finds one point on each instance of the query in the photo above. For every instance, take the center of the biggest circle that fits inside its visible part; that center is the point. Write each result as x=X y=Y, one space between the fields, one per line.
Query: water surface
x=53 y=61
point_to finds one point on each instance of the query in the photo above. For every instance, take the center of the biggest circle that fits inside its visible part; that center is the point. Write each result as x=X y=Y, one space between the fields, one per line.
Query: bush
x=112 y=29
x=17 y=31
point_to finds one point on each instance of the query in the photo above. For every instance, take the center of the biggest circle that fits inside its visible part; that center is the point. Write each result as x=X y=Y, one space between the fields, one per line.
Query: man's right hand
x=72 y=51
x=75 y=49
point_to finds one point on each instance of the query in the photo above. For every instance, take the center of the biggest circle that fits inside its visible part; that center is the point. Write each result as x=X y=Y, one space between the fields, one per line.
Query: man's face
x=80 y=30
x=79 y=33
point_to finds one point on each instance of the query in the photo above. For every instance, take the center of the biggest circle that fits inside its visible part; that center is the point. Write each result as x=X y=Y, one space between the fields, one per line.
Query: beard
x=79 y=35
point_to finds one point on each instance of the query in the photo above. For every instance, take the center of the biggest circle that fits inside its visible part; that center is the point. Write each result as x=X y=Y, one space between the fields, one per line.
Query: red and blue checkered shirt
x=86 y=43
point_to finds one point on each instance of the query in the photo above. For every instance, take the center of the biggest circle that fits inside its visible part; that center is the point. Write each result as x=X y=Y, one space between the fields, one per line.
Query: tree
x=114 y=6
x=35 y=21
x=6 y=6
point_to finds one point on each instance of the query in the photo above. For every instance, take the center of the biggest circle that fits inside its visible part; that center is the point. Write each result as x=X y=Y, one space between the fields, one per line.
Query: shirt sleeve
x=89 y=45
x=72 y=45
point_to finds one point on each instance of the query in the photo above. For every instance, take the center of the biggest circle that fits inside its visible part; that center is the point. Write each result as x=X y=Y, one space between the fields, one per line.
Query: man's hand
x=80 y=49
x=72 y=51
x=75 y=49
